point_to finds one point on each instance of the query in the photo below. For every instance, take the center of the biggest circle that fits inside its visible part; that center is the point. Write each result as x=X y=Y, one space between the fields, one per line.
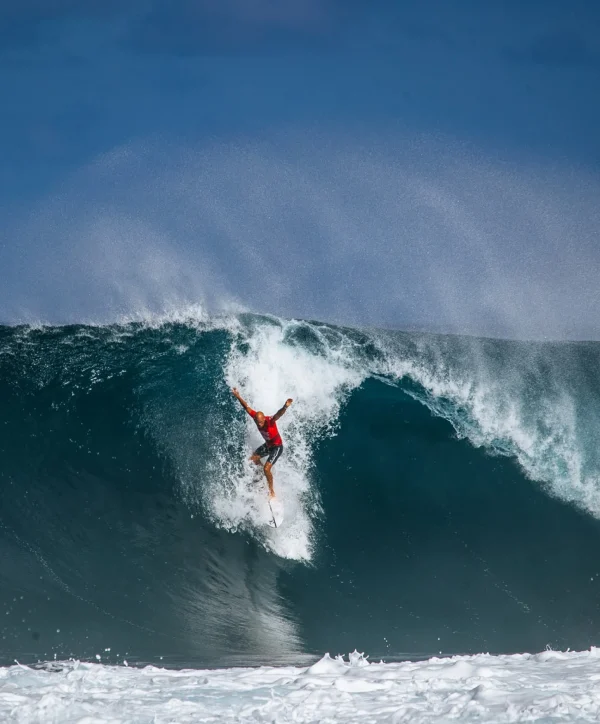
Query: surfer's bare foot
x=271 y=495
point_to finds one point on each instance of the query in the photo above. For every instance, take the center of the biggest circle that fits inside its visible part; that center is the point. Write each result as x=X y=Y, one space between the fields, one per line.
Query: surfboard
x=275 y=513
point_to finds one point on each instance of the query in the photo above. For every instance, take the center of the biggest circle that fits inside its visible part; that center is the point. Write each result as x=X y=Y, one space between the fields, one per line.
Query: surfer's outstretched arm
x=281 y=412
x=241 y=400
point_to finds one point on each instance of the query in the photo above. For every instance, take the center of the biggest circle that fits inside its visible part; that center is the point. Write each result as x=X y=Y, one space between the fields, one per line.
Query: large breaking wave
x=442 y=493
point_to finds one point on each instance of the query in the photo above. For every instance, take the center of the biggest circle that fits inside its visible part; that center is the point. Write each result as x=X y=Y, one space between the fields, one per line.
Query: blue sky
x=354 y=161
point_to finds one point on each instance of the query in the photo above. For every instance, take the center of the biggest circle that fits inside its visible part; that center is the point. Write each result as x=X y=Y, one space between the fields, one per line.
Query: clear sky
x=397 y=163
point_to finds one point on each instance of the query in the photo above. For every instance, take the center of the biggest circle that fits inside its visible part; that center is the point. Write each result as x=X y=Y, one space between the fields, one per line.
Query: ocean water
x=442 y=499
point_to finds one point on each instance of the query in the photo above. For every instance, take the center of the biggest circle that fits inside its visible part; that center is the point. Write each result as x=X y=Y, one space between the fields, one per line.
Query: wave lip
x=535 y=402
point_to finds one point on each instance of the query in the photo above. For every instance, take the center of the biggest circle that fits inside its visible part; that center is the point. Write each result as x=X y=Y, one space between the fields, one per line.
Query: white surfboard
x=275 y=518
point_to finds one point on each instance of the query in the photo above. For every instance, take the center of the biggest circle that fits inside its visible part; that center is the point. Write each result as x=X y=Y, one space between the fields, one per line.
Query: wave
x=441 y=492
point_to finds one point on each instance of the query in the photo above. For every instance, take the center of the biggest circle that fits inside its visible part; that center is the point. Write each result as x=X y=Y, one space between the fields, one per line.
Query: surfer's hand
x=235 y=392
x=288 y=402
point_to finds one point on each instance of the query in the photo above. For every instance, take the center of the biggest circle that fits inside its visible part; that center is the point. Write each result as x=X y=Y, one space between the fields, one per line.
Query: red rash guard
x=269 y=431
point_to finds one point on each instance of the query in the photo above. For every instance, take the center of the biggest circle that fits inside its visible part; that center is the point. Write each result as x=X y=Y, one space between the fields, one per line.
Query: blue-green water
x=442 y=494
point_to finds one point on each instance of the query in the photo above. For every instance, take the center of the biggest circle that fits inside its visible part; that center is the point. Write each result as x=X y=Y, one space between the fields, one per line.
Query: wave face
x=442 y=494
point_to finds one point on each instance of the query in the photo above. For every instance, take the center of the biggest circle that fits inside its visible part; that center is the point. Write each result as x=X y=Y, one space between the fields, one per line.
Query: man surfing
x=272 y=446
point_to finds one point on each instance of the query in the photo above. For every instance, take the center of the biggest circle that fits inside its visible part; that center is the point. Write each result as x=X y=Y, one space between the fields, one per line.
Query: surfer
x=273 y=445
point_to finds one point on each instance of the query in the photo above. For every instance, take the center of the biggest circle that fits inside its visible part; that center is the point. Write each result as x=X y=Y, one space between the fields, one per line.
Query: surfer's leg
x=274 y=453
x=259 y=453
x=269 y=477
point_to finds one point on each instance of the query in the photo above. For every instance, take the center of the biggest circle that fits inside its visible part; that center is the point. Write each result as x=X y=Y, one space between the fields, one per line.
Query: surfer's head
x=260 y=418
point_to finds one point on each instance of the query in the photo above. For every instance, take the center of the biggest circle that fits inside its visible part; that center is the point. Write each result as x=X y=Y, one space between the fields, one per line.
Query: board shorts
x=272 y=452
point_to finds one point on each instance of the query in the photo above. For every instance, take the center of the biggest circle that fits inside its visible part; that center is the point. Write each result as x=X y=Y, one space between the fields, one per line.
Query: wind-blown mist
x=402 y=234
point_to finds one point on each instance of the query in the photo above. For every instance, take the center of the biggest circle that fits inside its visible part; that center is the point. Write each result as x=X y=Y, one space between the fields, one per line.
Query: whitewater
x=548 y=686
x=442 y=499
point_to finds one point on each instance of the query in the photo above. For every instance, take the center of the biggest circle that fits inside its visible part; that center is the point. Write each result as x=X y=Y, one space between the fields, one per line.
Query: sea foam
x=549 y=686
